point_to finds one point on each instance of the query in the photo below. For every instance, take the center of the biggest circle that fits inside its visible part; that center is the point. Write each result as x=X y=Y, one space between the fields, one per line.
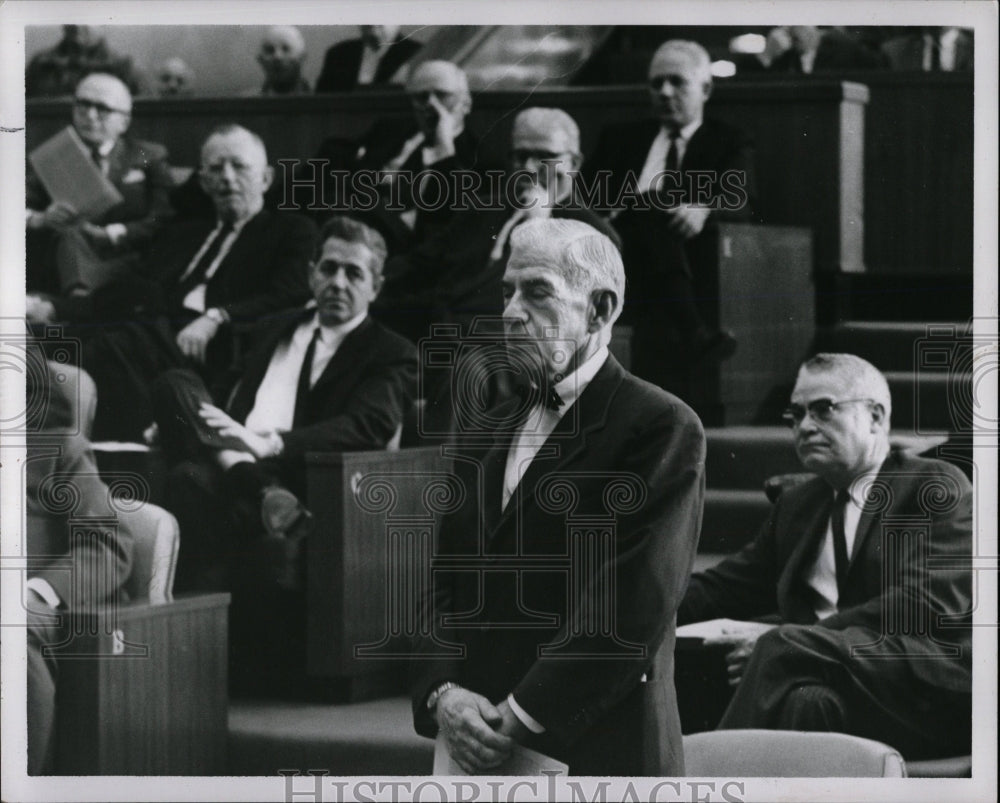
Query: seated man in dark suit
x=281 y=55
x=323 y=378
x=812 y=50
x=397 y=154
x=201 y=277
x=668 y=179
x=56 y=71
x=865 y=571
x=68 y=254
x=371 y=60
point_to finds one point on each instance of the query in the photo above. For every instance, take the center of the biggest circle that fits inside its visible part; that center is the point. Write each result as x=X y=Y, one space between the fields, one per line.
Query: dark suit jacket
x=358 y=401
x=716 y=146
x=766 y=578
x=837 y=52
x=140 y=172
x=342 y=61
x=265 y=270
x=599 y=715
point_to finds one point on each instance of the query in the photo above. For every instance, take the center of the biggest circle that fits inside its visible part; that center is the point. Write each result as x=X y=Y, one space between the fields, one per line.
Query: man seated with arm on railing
x=864 y=568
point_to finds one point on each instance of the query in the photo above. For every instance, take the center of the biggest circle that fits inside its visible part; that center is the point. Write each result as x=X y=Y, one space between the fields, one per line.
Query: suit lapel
x=349 y=352
x=792 y=585
x=870 y=513
x=588 y=414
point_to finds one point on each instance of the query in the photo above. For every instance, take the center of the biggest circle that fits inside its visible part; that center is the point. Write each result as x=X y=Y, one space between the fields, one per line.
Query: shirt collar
x=569 y=388
x=686 y=132
x=331 y=335
x=106 y=147
x=237 y=224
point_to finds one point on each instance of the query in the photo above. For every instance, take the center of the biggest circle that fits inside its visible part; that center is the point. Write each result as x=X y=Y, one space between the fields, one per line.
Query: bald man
x=436 y=139
x=281 y=56
x=70 y=253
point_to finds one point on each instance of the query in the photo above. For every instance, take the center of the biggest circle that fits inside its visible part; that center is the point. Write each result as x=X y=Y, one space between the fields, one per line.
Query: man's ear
x=268 y=177
x=708 y=88
x=603 y=305
x=879 y=418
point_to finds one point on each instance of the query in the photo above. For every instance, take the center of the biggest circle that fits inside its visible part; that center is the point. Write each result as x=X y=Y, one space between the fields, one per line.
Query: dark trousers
x=805 y=678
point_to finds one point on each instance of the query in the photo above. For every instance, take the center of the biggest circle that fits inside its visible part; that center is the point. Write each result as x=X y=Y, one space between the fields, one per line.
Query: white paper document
x=523 y=761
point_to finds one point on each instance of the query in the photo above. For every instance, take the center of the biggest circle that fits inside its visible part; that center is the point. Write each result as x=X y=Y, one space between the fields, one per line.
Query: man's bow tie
x=530 y=392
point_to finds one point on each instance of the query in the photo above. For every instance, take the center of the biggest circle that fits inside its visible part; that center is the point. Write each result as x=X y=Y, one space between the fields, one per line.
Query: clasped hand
x=480 y=736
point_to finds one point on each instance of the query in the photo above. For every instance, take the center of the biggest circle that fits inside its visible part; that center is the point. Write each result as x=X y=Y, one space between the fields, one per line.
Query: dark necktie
x=672 y=163
x=196 y=275
x=305 y=377
x=100 y=160
x=840 y=556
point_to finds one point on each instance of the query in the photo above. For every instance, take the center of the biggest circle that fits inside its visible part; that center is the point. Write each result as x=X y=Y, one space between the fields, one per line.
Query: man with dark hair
x=551 y=617
x=70 y=254
x=859 y=581
x=201 y=278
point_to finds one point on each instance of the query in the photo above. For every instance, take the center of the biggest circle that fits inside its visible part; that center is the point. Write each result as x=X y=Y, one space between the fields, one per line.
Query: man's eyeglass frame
x=820 y=410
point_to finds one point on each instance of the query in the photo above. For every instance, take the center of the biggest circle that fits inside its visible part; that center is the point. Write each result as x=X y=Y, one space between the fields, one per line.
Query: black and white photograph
x=498 y=401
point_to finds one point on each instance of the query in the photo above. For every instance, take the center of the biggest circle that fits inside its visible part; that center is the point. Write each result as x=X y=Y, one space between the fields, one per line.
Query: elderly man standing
x=397 y=153
x=70 y=255
x=201 y=277
x=569 y=657
x=668 y=179
x=865 y=568
x=281 y=55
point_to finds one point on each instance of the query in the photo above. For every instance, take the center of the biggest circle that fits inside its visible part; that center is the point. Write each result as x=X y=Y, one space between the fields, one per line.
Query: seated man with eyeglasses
x=69 y=254
x=859 y=582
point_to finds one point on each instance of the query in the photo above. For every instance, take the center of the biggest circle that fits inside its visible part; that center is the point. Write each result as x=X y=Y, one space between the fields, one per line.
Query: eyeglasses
x=102 y=109
x=820 y=410
x=522 y=155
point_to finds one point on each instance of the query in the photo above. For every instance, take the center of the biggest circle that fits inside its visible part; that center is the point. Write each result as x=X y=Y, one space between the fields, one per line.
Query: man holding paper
x=861 y=578
x=91 y=228
x=558 y=574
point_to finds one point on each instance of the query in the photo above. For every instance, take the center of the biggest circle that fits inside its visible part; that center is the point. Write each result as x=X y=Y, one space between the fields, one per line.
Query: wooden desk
x=142 y=690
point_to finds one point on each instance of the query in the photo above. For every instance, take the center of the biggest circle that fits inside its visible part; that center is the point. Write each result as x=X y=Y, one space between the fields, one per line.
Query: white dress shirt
x=371 y=57
x=823 y=575
x=195 y=299
x=656 y=159
x=274 y=404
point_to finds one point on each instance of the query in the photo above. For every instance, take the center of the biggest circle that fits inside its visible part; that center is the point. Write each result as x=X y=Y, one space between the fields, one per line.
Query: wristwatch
x=217 y=315
x=434 y=696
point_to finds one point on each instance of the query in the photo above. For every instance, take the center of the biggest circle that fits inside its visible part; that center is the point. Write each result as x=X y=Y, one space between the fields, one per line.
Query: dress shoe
x=287 y=522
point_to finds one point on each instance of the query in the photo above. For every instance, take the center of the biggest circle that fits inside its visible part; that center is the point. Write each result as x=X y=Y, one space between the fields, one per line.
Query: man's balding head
x=234 y=172
x=680 y=82
x=281 y=54
x=441 y=82
x=102 y=108
x=545 y=149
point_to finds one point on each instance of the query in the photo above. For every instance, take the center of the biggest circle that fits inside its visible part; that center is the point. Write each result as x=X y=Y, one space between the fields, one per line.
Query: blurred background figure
x=371 y=60
x=808 y=49
x=82 y=50
x=930 y=49
x=174 y=79
x=281 y=55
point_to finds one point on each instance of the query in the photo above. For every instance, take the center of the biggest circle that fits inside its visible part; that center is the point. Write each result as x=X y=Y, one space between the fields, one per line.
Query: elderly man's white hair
x=861 y=379
x=229 y=129
x=539 y=118
x=694 y=52
x=585 y=258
